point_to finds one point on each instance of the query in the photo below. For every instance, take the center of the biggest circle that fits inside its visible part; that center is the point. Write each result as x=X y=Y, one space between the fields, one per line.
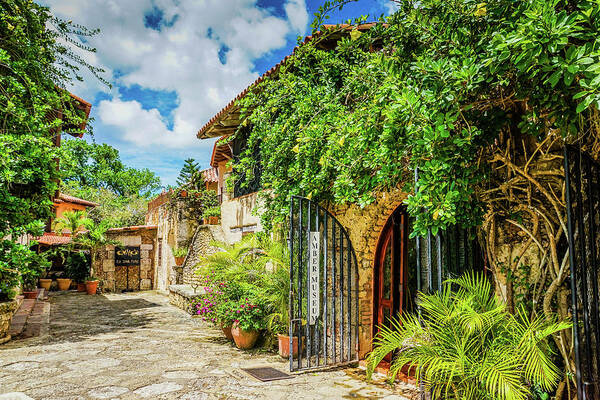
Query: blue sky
x=174 y=64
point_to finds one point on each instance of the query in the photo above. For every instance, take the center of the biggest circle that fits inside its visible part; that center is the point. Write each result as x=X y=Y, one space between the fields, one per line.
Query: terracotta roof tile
x=72 y=199
x=210 y=175
x=51 y=239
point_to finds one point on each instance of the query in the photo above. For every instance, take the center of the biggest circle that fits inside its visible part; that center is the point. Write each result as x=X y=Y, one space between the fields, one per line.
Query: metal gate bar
x=332 y=337
x=582 y=180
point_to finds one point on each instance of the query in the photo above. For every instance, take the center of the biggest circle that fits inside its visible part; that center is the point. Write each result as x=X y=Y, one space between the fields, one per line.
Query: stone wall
x=364 y=227
x=173 y=230
x=115 y=278
x=200 y=246
x=237 y=217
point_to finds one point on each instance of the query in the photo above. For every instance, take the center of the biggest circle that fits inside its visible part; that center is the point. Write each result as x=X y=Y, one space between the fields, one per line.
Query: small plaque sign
x=128 y=255
x=314 y=286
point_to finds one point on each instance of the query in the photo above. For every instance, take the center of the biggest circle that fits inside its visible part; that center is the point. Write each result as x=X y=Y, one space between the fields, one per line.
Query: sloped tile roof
x=72 y=199
x=51 y=239
x=210 y=175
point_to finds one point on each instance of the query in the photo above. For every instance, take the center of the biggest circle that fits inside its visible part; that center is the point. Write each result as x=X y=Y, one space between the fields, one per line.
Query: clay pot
x=284 y=346
x=213 y=220
x=91 y=287
x=45 y=283
x=63 y=283
x=30 y=295
x=81 y=287
x=227 y=332
x=7 y=310
x=244 y=339
x=179 y=260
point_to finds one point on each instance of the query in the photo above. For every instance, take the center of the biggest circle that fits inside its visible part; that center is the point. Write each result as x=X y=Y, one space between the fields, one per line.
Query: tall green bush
x=465 y=345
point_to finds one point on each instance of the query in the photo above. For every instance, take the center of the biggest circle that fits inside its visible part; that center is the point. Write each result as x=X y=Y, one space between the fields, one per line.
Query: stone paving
x=137 y=346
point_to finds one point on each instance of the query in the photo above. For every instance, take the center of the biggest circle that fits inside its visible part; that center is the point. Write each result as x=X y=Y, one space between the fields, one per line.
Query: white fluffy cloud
x=183 y=57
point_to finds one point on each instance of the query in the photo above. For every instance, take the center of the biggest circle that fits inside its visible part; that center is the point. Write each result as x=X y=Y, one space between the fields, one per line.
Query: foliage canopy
x=426 y=89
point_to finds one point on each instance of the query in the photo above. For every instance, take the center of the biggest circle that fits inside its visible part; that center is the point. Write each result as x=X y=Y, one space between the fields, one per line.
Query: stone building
x=174 y=230
x=137 y=273
x=379 y=238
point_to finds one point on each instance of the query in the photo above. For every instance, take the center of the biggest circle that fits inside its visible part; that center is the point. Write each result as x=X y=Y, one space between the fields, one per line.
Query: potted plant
x=94 y=239
x=63 y=283
x=249 y=321
x=31 y=268
x=179 y=253
x=212 y=215
x=225 y=314
x=77 y=268
x=91 y=285
x=45 y=283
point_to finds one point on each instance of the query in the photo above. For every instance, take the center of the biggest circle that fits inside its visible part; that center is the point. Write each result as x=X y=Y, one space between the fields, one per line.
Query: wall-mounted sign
x=314 y=287
x=128 y=255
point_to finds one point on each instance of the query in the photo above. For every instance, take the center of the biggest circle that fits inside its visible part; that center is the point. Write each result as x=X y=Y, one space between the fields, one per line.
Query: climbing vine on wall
x=427 y=88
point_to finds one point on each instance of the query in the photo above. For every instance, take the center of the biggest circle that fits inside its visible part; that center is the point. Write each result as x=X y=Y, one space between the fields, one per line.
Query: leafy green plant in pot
x=212 y=215
x=179 y=253
x=32 y=268
x=466 y=345
x=77 y=267
x=225 y=313
x=94 y=239
x=249 y=321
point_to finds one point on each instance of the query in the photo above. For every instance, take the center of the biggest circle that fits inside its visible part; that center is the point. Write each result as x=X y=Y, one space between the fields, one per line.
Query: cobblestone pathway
x=136 y=346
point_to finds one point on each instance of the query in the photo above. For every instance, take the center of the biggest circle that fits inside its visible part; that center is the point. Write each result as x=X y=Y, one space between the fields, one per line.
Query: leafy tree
x=190 y=176
x=99 y=166
x=116 y=210
x=37 y=59
x=464 y=344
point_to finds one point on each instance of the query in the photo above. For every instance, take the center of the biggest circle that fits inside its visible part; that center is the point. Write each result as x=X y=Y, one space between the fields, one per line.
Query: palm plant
x=71 y=221
x=465 y=345
x=94 y=238
x=233 y=263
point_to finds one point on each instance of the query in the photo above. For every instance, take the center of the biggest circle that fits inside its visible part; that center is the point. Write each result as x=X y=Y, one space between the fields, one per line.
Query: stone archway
x=364 y=227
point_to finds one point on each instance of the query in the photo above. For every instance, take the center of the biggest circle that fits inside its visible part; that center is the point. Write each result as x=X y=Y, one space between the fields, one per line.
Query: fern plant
x=465 y=345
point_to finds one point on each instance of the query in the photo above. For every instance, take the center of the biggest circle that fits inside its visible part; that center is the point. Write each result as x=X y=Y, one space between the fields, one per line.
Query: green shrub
x=465 y=345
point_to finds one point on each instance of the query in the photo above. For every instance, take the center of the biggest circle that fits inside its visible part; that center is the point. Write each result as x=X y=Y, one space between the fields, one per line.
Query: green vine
x=427 y=88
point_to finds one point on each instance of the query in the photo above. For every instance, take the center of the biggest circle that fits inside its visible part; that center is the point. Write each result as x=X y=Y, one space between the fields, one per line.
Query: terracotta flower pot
x=213 y=220
x=30 y=295
x=81 y=287
x=244 y=339
x=179 y=260
x=63 y=283
x=45 y=283
x=91 y=287
x=227 y=332
x=284 y=346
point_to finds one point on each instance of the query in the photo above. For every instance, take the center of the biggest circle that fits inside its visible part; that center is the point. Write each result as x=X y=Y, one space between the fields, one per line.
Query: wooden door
x=390 y=261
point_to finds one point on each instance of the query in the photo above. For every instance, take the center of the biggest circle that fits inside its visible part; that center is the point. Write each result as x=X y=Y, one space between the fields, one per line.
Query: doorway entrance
x=393 y=280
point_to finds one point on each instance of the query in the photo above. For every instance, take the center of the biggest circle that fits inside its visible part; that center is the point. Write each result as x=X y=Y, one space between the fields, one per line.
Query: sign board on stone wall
x=314 y=286
x=127 y=255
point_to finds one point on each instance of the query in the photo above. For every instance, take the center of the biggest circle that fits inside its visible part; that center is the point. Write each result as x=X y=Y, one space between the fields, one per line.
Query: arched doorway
x=394 y=283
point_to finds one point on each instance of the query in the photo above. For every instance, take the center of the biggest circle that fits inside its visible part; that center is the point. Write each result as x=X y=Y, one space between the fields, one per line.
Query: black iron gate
x=446 y=255
x=323 y=289
x=582 y=179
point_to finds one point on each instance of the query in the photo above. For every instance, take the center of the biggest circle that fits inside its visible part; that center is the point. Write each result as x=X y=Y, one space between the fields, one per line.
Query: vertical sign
x=314 y=287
